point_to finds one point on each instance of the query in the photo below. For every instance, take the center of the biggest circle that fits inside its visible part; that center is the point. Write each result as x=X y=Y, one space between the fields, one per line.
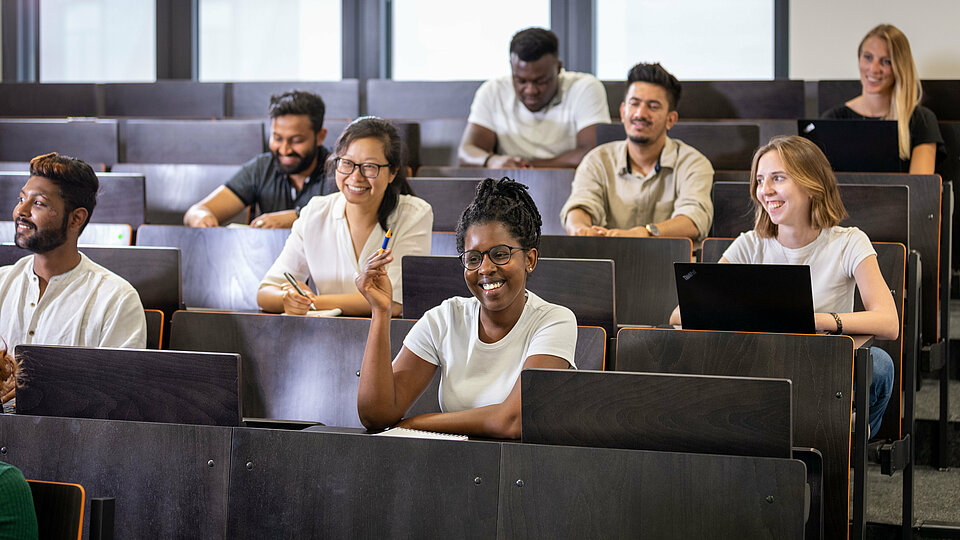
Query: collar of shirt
x=316 y=176
x=668 y=158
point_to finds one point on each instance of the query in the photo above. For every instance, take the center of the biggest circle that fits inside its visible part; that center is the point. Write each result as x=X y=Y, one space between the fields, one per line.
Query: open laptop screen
x=745 y=297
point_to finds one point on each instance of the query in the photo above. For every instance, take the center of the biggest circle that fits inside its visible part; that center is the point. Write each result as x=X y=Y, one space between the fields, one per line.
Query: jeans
x=881 y=387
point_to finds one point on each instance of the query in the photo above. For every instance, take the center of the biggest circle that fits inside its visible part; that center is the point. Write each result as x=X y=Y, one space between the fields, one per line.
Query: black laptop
x=855 y=145
x=745 y=297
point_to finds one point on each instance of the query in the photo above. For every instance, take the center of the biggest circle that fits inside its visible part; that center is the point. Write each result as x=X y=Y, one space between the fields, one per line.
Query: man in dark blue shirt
x=279 y=182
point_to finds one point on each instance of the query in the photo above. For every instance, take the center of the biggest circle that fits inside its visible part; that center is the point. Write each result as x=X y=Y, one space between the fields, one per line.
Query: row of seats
x=415 y=99
x=313 y=379
x=729 y=144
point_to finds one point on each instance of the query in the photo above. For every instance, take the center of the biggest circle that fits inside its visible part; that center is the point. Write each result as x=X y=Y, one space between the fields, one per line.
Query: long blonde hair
x=906 y=86
x=805 y=163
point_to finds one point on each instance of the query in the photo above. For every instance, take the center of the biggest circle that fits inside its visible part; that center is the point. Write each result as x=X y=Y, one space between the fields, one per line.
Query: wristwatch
x=653 y=229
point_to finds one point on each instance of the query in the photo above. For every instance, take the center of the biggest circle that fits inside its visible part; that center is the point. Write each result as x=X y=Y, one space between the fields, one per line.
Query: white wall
x=824 y=35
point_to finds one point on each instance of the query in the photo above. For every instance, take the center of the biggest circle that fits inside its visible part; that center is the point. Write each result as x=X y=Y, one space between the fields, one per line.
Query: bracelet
x=839 y=324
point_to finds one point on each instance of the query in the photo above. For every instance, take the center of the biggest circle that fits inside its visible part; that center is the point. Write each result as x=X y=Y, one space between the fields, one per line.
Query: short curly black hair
x=503 y=201
x=532 y=44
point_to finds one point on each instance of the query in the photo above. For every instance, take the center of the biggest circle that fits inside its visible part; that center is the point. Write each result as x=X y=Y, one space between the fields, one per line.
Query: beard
x=640 y=140
x=305 y=162
x=41 y=241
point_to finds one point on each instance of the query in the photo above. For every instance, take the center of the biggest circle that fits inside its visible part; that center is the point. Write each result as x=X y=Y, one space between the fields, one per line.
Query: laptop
x=129 y=384
x=855 y=145
x=745 y=297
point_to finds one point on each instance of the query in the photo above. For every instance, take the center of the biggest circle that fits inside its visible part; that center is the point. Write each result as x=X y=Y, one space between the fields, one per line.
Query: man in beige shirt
x=649 y=184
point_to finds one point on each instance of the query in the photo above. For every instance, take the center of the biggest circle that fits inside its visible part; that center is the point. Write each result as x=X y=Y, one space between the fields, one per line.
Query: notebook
x=855 y=145
x=745 y=297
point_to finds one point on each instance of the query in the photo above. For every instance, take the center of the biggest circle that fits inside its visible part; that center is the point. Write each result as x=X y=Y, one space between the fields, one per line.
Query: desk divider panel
x=214 y=142
x=49 y=99
x=341 y=99
x=387 y=98
x=293 y=368
x=549 y=188
x=171 y=189
x=169 y=480
x=666 y=412
x=728 y=99
x=90 y=139
x=356 y=486
x=645 y=281
x=429 y=280
x=165 y=99
x=728 y=145
x=222 y=266
x=820 y=367
x=129 y=384
x=612 y=493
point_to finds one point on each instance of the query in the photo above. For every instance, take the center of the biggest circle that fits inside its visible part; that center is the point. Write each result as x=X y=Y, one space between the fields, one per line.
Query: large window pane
x=98 y=40
x=693 y=39
x=444 y=40
x=276 y=40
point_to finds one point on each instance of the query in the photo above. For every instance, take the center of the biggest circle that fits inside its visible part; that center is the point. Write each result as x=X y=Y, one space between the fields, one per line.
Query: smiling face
x=498 y=287
x=876 y=67
x=40 y=216
x=293 y=142
x=645 y=113
x=358 y=189
x=784 y=200
x=535 y=82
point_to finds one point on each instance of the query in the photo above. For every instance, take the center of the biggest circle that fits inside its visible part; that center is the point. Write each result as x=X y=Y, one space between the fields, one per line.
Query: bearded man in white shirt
x=58 y=296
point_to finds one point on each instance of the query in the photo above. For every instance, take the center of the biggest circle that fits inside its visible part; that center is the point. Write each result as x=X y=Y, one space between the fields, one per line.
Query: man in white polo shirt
x=540 y=116
x=58 y=296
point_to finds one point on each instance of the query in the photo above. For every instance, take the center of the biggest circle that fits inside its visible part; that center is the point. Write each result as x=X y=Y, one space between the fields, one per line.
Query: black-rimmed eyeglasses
x=367 y=170
x=500 y=255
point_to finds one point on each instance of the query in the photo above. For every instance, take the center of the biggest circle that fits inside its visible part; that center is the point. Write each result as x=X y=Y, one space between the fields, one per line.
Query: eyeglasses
x=367 y=170
x=499 y=255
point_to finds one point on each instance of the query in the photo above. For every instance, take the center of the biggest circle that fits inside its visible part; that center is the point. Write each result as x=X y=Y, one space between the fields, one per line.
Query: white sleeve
x=590 y=103
x=743 y=250
x=412 y=237
x=292 y=259
x=556 y=335
x=857 y=248
x=424 y=338
x=125 y=324
x=482 y=110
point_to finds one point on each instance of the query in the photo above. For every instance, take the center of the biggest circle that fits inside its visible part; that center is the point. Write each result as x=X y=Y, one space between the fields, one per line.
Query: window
x=693 y=39
x=98 y=41
x=444 y=40
x=278 y=40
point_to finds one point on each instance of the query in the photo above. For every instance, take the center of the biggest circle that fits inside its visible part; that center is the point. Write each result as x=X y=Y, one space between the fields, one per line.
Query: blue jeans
x=881 y=386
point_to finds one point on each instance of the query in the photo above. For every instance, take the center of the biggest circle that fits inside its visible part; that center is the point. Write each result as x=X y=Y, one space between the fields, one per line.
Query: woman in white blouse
x=337 y=231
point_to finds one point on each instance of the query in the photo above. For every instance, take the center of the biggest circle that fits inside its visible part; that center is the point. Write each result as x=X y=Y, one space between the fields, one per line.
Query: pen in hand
x=386 y=239
x=296 y=287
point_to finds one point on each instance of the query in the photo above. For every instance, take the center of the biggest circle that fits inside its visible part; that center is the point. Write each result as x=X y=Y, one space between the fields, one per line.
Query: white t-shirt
x=88 y=306
x=833 y=257
x=320 y=247
x=475 y=374
x=580 y=102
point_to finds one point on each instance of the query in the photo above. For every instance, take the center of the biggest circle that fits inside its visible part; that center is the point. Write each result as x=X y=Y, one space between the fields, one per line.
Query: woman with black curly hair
x=480 y=344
